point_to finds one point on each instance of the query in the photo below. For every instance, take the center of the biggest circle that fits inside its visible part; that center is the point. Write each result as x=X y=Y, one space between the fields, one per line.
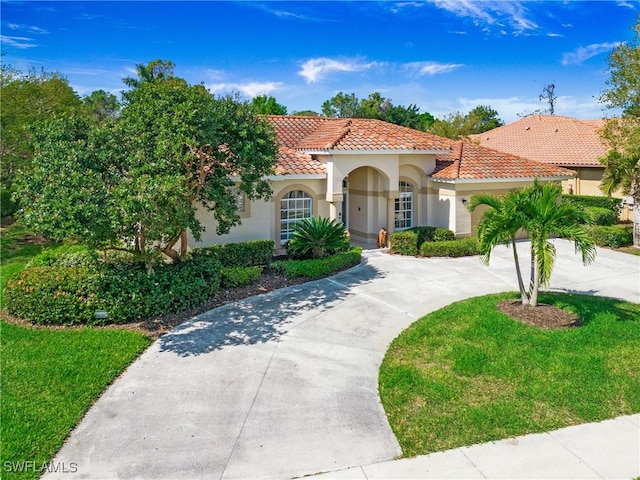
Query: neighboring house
x=557 y=140
x=370 y=174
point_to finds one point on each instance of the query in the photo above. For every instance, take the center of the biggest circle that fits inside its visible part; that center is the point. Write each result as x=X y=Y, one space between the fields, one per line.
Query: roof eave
x=501 y=179
x=373 y=152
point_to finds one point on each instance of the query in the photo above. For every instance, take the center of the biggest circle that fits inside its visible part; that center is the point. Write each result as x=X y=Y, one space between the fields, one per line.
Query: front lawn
x=50 y=378
x=468 y=374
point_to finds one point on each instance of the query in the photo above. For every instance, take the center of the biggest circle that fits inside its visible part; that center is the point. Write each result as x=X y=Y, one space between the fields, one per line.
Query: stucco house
x=557 y=140
x=370 y=174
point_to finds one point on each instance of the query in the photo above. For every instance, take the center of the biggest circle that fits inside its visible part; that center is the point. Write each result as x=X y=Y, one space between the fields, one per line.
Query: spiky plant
x=318 y=237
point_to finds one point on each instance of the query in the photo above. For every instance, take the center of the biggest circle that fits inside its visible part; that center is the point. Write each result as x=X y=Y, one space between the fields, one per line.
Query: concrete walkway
x=284 y=385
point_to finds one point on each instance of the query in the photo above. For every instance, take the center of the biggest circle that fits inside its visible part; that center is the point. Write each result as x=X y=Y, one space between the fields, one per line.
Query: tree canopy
x=267 y=105
x=458 y=125
x=622 y=133
x=376 y=106
x=134 y=181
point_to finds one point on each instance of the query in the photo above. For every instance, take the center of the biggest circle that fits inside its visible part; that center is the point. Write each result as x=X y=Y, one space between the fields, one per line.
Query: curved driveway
x=285 y=384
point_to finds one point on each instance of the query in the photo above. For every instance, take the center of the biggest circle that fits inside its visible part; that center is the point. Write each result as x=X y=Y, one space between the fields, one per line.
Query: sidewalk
x=605 y=450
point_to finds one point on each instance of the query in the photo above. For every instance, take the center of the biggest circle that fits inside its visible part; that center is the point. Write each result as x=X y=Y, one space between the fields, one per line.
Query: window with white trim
x=404 y=207
x=240 y=199
x=294 y=206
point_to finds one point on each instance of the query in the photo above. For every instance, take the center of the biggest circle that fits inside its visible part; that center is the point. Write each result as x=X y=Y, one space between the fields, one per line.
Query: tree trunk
x=636 y=222
x=533 y=299
x=183 y=244
x=523 y=293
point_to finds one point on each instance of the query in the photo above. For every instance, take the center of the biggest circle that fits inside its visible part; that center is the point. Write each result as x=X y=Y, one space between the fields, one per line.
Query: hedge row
x=614 y=236
x=245 y=254
x=240 y=276
x=59 y=294
x=610 y=203
x=408 y=242
x=601 y=216
x=321 y=267
x=464 y=247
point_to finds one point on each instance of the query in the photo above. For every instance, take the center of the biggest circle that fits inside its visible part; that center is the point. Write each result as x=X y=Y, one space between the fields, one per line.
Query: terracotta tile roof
x=551 y=139
x=474 y=162
x=320 y=133
x=294 y=162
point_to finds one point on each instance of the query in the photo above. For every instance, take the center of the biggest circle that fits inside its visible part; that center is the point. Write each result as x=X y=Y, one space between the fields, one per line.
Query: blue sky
x=442 y=55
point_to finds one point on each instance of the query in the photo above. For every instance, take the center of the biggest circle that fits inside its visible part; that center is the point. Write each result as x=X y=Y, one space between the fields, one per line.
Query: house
x=370 y=174
x=557 y=140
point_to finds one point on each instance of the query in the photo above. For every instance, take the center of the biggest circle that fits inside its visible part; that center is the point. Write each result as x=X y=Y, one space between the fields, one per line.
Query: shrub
x=8 y=206
x=614 y=236
x=450 y=248
x=240 y=276
x=320 y=267
x=69 y=295
x=405 y=243
x=409 y=242
x=601 y=216
x=317 y=237
x=610 y=203
x=65 y=256
x=53 y=295
x=244 y=254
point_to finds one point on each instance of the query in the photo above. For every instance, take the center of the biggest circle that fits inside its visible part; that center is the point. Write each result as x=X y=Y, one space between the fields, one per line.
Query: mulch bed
x=543 y=316
x=156 y=327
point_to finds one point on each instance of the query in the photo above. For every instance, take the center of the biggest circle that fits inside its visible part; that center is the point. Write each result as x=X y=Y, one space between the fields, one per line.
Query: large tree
x=542 y=212
x=622 y=134
x=26 y=100
x=267 y=105
x=342 y=105
x=458 y=125
x=134 y=182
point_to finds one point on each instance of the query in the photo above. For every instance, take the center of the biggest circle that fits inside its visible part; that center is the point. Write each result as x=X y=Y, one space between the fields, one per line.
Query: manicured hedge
x=59 y=295
x=610 y=203
x=245 y=254
x=450 y=248
x=601 y=216
x=321 y=267
x=409 y=242
x=240 y=276
x=614 y=236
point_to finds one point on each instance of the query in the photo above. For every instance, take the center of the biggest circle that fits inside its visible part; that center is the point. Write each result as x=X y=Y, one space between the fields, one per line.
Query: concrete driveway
x=285 y=384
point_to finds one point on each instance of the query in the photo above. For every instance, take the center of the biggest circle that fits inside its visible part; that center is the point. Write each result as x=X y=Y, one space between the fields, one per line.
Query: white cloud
x=627 y=5
x=554 y=35
x=316 y=69
x=487 y=14
x=27 y=28
x=250 y=89
x=431 y=68
x=17 y=42
x=580 y=55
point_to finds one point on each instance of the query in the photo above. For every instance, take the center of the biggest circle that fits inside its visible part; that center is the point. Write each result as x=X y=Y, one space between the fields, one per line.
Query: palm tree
x=542 y=213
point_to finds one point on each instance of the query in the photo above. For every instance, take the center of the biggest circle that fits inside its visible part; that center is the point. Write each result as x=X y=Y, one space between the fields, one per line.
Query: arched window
x=404 y=207
x=294 y=206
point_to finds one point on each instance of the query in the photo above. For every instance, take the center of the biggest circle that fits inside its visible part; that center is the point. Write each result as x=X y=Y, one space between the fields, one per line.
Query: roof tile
x=551 y=139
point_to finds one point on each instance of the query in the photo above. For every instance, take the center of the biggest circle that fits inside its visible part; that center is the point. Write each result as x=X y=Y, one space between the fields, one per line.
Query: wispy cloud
x=627 y=5
x=17 y=42
x=315 y=69
x=27 y=28
x=580 y=55
x=250 y=89
x=430 y=68
x=484 y=14
x=551 y=34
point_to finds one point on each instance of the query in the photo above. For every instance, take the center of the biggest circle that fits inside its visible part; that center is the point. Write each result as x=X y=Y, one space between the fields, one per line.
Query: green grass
x=49 y=380
x=468 y=374
x=15 y=253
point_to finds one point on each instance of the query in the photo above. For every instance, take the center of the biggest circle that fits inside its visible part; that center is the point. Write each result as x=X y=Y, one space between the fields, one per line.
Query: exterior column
x=334 y=208
x=391 y=214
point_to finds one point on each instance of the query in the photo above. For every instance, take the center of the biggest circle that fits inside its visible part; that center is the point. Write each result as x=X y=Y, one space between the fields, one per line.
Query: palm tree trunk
x=636 y=222
x=533 y=299
x=523 y=293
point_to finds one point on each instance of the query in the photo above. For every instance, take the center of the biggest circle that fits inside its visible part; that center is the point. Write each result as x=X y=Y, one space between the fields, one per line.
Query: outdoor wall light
x=464 y=201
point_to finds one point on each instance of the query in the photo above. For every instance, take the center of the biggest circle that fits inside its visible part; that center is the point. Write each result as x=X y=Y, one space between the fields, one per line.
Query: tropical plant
x=622 y=134
x=541 y=212
x=318 y=237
